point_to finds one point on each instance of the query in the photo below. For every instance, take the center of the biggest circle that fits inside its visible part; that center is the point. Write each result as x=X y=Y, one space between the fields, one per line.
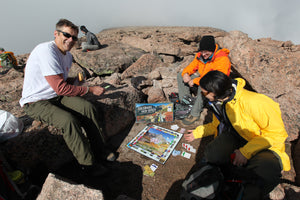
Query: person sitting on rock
x=92 y=42
x=209 y=58
x=247 y=125
x=49 y=96
x=7 y=59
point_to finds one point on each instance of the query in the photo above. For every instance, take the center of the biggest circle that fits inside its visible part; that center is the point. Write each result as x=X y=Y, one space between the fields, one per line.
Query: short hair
x=84 y=29
x=218 y=83
x=64 y=22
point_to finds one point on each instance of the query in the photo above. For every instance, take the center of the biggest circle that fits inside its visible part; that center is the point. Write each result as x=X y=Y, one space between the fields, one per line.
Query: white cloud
x=31 y=22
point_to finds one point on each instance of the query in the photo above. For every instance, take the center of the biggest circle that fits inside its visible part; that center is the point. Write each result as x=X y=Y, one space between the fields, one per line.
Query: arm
x=71 y=80
x=270 y=133
x=62 y=88
x=89 y=38
x=191 y=68
x=203 y=130
x=207 y=129
x=95 y=40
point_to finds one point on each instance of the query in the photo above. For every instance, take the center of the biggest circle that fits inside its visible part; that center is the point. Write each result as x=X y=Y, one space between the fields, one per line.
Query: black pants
x=264 y=164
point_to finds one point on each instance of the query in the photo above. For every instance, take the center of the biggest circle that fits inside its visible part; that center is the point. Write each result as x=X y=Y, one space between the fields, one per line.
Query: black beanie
x=207 y=43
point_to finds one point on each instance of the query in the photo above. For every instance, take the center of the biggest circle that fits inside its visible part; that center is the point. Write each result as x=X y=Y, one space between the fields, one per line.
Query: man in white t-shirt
x=49 y=96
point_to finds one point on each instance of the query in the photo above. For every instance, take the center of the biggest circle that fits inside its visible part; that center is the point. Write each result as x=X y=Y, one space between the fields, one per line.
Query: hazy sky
x=26 y=23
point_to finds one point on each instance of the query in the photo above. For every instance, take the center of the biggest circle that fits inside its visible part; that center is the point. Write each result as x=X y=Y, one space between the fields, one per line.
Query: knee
x=270 y=172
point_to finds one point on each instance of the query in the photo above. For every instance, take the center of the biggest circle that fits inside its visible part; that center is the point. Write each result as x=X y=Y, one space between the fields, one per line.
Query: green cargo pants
x=265 y=163
x=184 y=89
x=70 y=114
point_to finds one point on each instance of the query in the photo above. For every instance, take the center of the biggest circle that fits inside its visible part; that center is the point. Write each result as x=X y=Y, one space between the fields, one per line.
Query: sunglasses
x=68 y=35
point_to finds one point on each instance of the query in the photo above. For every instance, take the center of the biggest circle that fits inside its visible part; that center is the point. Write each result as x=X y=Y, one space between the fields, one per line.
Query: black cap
x=207 y=43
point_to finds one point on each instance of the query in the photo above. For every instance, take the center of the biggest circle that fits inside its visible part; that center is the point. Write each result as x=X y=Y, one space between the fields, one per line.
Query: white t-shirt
x=45 y=60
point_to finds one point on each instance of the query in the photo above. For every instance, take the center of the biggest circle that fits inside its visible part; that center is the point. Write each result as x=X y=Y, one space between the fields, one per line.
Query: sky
x=27 y=23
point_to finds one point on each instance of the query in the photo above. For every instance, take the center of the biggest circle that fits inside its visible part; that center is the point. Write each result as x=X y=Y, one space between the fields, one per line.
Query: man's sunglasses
x=68 y=35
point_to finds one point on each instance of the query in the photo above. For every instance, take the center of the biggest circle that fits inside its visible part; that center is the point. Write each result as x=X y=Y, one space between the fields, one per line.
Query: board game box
x=154 y=112
x=155 y=142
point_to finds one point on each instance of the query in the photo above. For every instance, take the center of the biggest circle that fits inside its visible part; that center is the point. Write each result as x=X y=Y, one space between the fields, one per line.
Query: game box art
x=154 y=112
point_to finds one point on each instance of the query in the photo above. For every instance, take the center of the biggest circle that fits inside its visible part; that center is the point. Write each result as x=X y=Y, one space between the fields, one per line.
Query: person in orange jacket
x=210 y=57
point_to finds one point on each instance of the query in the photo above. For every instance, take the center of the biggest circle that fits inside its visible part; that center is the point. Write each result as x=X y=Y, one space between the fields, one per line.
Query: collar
x=234 y=84
x=208 y=59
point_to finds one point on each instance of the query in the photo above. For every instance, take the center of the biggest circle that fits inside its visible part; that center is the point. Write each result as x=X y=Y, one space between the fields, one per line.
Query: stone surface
x=56 y=187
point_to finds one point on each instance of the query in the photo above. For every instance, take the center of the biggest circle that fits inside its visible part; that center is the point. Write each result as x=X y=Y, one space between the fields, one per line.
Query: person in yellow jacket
x=210 y=57
x=247 y=125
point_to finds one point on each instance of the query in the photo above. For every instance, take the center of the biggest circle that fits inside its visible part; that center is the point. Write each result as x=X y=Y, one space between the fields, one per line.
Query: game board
x=155 y=142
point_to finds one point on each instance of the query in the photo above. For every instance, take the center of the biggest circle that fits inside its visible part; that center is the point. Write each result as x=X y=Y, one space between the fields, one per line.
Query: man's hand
x=239 y=159
x=186 y=78
x=191 y=83
x=96 y=90
x=189 y=136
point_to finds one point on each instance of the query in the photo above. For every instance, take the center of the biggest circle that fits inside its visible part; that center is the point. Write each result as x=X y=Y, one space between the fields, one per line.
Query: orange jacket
x=219 y=61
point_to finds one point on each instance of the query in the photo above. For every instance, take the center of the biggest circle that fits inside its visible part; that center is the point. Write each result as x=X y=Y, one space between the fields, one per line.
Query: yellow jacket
x=257 y=118
x=219 y=61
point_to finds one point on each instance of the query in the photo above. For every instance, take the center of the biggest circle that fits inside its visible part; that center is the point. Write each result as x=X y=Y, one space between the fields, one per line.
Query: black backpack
x=182 y=109
x=206 y=183
x=212 y=182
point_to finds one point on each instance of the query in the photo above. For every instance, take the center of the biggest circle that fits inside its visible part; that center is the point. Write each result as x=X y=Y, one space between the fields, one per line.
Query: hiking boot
x=190 y=120
x=95 y=170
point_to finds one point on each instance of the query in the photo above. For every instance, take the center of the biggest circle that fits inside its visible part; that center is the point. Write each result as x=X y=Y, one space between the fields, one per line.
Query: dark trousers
x=265 y=164
x=74 y=116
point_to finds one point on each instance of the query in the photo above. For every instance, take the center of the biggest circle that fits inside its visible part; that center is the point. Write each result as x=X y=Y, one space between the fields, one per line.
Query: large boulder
x=56 y=187
x=112 y=58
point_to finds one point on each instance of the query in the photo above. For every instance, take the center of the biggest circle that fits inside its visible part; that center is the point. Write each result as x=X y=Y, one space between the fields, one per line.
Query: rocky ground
x=140 y=65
